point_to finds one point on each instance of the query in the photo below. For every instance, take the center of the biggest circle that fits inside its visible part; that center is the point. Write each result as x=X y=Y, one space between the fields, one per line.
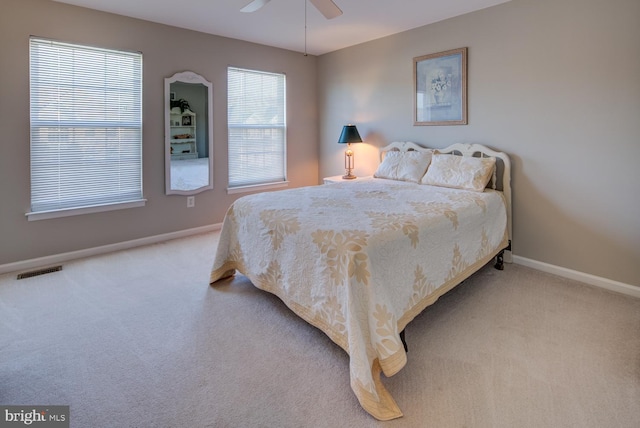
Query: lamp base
x=349 y=176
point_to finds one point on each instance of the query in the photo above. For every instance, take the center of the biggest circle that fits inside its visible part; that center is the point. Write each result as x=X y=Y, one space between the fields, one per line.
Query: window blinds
x=257 y=127
x=86 y=126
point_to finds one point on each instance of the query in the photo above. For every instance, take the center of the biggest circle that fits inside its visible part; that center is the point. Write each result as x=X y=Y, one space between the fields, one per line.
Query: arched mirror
x=188 y=133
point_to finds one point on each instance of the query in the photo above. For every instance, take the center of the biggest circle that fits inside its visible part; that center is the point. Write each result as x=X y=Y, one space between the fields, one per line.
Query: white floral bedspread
x=359 y=260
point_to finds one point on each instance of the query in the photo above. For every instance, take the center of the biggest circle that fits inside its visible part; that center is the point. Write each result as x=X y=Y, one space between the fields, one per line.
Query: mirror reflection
x=188 y=134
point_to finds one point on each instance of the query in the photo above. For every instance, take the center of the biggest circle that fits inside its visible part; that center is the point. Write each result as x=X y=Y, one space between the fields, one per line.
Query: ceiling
x=281 y=22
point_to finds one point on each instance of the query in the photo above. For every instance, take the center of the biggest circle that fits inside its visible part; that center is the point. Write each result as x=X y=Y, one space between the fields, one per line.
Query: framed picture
x=172 y=96
x=440 y=88
x=186 y=120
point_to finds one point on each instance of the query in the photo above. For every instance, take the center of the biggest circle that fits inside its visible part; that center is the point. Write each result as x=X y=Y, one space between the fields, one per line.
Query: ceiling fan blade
x=254 y=5
x=327 y=7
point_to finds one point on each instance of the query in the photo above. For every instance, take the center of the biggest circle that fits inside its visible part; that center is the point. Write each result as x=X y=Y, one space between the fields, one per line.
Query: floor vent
x=39 y=272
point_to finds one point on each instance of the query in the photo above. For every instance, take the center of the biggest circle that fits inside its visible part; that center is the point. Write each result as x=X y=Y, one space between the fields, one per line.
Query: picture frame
x=186 y=120
x=440 y=88
x=172 y=96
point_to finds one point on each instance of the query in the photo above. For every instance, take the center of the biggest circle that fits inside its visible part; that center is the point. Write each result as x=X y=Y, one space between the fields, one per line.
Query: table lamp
x=349 y=135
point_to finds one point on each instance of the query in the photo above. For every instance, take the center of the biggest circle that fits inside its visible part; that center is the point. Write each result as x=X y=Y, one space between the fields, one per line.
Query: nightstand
x=339 y=179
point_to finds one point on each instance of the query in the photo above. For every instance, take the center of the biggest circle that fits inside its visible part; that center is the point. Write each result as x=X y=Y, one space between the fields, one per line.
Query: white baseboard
x=609 y=284
x=72 y=255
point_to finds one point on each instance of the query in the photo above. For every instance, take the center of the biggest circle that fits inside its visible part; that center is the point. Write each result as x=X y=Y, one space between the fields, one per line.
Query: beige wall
x=554 y=83
x=166 y=50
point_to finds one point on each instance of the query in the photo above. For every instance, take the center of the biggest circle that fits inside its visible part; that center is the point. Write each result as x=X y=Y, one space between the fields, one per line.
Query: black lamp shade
x=349 y=135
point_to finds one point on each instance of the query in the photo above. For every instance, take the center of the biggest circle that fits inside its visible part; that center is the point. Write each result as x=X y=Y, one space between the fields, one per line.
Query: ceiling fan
x=326 y=7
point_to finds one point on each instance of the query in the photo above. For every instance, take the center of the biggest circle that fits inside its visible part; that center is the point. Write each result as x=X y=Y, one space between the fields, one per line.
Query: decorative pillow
x=404 y=166
x=460 y=172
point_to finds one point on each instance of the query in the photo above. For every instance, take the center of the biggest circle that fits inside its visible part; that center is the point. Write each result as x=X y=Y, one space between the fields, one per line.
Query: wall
x=166 y=50
x=554 y=83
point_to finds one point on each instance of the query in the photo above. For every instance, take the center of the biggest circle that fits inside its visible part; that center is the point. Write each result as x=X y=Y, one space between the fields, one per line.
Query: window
x=86 y=129
x=257 y=128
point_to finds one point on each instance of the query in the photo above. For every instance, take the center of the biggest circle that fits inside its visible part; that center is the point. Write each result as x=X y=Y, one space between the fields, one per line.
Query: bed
x=189 y=174
x=360 y=259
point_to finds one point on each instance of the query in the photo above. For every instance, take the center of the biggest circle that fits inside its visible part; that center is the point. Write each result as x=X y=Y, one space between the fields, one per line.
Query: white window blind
x=86 y=126
x=257 y=127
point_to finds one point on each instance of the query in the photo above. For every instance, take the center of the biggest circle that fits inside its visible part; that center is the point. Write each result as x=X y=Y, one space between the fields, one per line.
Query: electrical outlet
x=191 y=201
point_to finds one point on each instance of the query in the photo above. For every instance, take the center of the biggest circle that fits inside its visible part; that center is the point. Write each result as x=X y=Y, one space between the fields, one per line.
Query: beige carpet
x=139 y=339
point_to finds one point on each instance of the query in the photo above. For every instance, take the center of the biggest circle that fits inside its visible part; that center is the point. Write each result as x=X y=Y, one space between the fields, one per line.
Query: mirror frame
x=186 y=77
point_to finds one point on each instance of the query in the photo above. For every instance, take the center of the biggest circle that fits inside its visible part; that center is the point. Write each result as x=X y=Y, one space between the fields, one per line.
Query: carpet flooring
x=138 y=338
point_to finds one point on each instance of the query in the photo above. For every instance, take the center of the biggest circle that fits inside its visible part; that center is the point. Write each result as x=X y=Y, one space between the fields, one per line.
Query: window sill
x=44 y=215
x=257 y=187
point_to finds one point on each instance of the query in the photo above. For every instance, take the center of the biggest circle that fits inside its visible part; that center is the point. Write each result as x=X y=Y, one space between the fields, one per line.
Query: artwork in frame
x=440 y=88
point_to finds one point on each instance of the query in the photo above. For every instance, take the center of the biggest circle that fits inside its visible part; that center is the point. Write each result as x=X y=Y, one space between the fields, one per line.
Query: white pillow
x=460 y=172
x=404 y=166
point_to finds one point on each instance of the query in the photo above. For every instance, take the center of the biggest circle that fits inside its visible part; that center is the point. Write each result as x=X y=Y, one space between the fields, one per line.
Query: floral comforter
x=360 y=260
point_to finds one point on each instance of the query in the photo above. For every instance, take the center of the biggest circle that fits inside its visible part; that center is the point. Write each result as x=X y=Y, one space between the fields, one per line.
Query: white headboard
x=501 y=179
x=402 y=146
